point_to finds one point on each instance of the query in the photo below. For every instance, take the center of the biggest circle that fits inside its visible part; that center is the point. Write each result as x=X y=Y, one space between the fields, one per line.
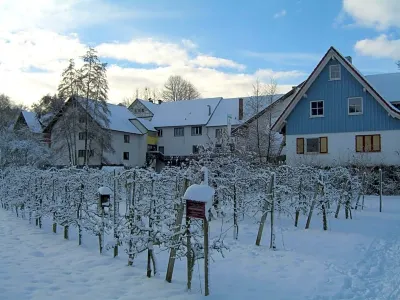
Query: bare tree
x=176 y=89
x=256 y=136
x=8 y=111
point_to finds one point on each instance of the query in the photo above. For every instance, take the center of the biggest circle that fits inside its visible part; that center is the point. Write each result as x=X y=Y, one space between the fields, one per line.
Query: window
x=355 y=106
x=126 y=155
x=126 y=138
x=195 y=149
x=161 y=149
x=219 y=146
x=179 y=131
x=81 y=153
x=82 y=135
x=159 y=132
x=368 y=143
x=334 y=72
x=151 y=147
x=312 y=145
x=82 y=119
x=197 y=130
x=317 y=108
x=218 y=133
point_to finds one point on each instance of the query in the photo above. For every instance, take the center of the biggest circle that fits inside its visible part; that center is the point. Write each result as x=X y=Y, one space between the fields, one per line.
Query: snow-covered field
x=354 y=259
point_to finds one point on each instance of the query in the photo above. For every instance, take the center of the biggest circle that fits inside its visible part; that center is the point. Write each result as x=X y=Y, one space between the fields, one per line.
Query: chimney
x=150 y=100
x=240 y=108
x=349 y=59
x=160 y=101
x=209 y=110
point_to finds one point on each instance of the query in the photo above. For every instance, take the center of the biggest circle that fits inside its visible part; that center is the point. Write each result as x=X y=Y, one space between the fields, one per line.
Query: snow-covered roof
x=32 y=122
x=387 y=85
x=230 y=106
x=119 y=117
x=151 y=106
x=185 y=113
x=146 y=123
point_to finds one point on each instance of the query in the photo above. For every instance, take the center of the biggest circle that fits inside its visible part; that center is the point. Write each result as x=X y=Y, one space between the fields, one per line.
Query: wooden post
x=272 y=242
x=312 y=206
x=54 y=209
x=380 y=190
x=101 y=233
x=178 y=222
x=363 y=190
x=132 y=220
x=235 y=214
x=265 y=213
x=150 y=242
x=188 y=254
x=206 y=272
x=116 y=241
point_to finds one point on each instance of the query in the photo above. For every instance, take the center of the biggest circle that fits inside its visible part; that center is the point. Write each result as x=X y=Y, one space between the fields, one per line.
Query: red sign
x=195 y=209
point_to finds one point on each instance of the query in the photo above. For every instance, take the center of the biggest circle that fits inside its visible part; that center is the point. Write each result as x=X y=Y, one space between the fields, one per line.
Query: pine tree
x=95 y=91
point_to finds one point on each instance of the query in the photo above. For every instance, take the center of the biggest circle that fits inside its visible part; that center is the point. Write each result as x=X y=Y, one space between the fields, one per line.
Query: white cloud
x=378 y=14
x=380 y=47
x=267 y=74
x=215 y=62
x=280 y=14
x=36 y=41
x=145 y=51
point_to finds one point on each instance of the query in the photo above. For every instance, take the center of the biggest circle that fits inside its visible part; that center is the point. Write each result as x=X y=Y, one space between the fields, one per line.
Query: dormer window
x=334 y=72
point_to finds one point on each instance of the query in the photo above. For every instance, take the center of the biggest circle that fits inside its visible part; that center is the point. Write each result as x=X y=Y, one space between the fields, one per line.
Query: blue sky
x=221 y=46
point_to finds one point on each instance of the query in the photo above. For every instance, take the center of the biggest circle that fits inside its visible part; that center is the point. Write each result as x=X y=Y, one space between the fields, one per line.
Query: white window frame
x=159 y=132
x=323 y=109
x=306 y=145
x=330 y=72
x=196 y=130
x=355 y=113
x=179 y=128
x=218 y=133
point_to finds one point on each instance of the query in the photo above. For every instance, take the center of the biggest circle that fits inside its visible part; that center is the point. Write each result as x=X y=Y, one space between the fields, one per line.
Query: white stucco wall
x=342 y=151
x=137 y=149
x=183 y=145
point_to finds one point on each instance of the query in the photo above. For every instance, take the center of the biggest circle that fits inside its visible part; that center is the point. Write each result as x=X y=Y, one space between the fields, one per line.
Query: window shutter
x=300 y=145
x=376 y=142
x=368 y=143
x=359 y=143
x=323 y=144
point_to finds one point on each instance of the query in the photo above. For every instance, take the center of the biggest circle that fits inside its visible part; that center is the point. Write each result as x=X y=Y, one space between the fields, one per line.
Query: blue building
x=340 y=117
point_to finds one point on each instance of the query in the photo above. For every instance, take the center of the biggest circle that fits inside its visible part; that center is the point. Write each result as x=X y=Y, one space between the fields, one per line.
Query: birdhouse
x=198 y=199
x=105 y=194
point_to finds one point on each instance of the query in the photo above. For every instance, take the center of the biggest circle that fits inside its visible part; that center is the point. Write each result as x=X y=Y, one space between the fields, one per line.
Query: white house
x=127 y=132
x=341 y=117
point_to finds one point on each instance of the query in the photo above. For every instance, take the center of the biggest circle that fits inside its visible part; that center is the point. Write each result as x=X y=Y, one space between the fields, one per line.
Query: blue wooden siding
x=335 y=94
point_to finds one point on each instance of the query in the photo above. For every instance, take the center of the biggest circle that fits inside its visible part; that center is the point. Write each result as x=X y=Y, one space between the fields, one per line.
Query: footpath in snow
x=354 y=259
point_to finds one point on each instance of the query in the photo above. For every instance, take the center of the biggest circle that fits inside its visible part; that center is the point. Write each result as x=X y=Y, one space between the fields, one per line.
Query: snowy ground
x=355 y=259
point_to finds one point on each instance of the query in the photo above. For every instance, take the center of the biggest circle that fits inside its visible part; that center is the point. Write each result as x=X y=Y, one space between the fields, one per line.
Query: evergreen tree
x=95 y=91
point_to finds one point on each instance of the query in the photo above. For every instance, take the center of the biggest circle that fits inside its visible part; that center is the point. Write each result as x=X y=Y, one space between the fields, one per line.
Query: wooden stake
x=380 y=190
x=264 y=216
x=206 y=271
x=115 y=219
x=178 y=222
x=272 y=242
x=188 y=255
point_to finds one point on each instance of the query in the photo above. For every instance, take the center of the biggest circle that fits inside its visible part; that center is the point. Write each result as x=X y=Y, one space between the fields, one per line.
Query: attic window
x=334 y=72
x=316 y=108
x=355 y=106
x=126 y=138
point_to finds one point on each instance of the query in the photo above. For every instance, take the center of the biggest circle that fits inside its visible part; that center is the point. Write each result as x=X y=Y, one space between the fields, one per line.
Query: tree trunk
x=338 y=208
x=272 y=242
x=296 y=219
x=312 y=207
x=235 y=214
x=324 y=218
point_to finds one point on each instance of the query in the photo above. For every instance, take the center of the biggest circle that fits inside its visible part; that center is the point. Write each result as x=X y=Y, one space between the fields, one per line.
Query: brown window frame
x=372 y=143
x=303 y=141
